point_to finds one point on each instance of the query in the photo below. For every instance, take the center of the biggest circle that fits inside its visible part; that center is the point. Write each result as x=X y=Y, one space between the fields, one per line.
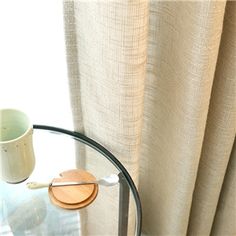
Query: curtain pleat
x=111 y=60
x=183 y=45
x=155 y=83
x=219 y=133
x=111 y=45
x=224 y=223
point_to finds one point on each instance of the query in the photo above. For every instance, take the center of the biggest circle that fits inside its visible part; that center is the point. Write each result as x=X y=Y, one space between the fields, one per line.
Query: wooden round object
x=73 y=197
x=73 y=194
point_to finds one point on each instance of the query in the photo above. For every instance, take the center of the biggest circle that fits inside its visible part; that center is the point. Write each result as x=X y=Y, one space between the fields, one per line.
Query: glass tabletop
x=116 y=210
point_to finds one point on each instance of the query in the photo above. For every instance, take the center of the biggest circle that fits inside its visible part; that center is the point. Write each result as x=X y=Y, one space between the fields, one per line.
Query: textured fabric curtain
x=155 y=83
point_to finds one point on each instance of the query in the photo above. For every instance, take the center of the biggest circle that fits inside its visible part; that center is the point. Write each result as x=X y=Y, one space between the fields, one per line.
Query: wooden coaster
x=73 y=197
x=73 y=194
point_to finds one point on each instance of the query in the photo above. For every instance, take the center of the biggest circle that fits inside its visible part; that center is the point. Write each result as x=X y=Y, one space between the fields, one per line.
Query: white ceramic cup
x=17 y=159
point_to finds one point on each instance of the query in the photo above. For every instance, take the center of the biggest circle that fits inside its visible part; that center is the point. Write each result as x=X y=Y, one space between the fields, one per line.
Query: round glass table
x=116 y=210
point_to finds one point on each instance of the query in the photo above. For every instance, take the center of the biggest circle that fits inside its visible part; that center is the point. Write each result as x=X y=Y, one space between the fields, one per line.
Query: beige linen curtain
x=155 y=83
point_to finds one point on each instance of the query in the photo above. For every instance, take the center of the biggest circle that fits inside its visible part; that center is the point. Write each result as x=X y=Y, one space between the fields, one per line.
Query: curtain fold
x=155 y=83
x=224 y=222
x=180 y=70
x=219 y=132
x=108 y=88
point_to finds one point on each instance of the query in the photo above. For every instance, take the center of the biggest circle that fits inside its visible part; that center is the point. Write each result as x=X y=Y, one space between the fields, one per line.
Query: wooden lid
x=73 y=197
